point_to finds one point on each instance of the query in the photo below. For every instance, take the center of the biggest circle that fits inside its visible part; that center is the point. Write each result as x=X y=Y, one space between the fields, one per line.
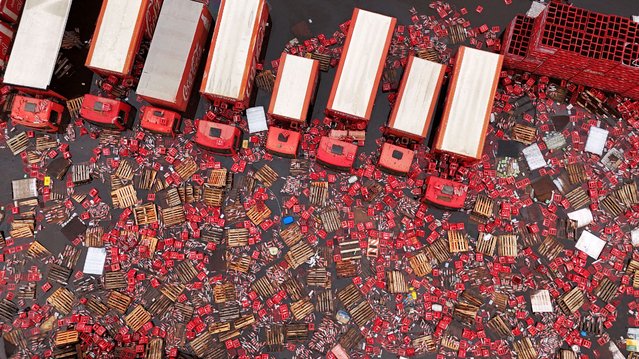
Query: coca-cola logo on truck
x=195 y=60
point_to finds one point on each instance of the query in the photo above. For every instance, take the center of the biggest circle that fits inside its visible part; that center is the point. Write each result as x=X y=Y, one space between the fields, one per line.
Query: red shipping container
x=10 y=10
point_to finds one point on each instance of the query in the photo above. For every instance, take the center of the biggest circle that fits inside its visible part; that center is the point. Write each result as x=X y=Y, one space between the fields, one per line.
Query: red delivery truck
x=466 y=116
x=360 y=68
x=160 y=121
x=412 y=114
x=37 y=113
x=37 y=43
x=118 y=33
x=105 y=112
x=218 y=137
x=336 y=154
x=292 y=96
x=234 y=53
x=10 y=10
x=174 y=56
x=6 y=36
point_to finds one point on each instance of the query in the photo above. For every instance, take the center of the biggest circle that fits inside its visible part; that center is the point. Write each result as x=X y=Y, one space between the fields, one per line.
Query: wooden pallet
x=237 y=237
x=218 y=178
x=224 y=292
x=465 y=312
x=325 y=302
x=299 y=167
x=266 y=175
x=173 y=215
x=324 y=60
x=293 y=288
x=606 y=290
x=189 y=193
x=550 y=248
x=114 y=280
x=74 y=106
x=350 y=250
x=80 y=173
x=155 y=349
x=124 y=197
x=298 y=254
x=202 y=345
x=147 y=179
x=217 y=328
x=59 y=274
x=439 y=250
x=160 y=305
x=524 y=349
x=213 y=234
x=346 y=269
x=457 y=34
x=508 y=245
x=213 y=196
x=96 y=307
x=265 y=80
x=296 y=333
x=351 y=338
x=499 y=325
x=396 y=282
x=274 y=338
x=359 y=309
x=8 y=310
x=500 y=300
x=258 y=213
x=486 y=244
x=302 y=308
x=93 y=237
x=483 y=209
x=576 y=173
x=62 y=300
x=318 y=277
x=571 y=301
x=137 y=318
x=45 y=143
x=457 y=241
x=242 y=264
x=592 y=325
x=145 y=214
x=372 y=248
x=118 y=301
x=172 y=198
x=66 y=337
x=186 y=271
x=429 y=54
x=263 y=287
x=244 y=321
x=569 y=354
x=578 y=197
x=524 y=134
x=186 y=169
x=420 y=264
x=291 y=234
x=330 y=219
x=450 y=342
x=424 y=343
x=18 y=143
x=229 y=312
x=124 y=171
x=318 y=193
x=16 y=338
x=621 y=199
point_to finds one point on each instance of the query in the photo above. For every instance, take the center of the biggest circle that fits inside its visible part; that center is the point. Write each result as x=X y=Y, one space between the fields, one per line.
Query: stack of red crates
x=582 y=46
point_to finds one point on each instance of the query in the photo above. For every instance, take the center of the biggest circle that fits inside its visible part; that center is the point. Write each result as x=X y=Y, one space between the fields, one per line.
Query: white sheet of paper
x=541 y=302
x=634 y=235
x=534 y=157
x=94 y=263
x=582 y=216
x=596 y=140
x=590 y=244
x=256 y=119
x=535 y=9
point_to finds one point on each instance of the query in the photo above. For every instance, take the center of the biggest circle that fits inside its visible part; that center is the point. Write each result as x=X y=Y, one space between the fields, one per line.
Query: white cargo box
x=294 y=88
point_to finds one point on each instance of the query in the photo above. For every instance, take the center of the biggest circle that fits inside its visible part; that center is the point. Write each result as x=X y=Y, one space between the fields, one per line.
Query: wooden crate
x=45 y=143
x=189 y=193
x=571 y=301
x=229 y=312
x=237 y=237
x=218 y=178
x=318 y=193
x=500 y=300
x=59 y=274
x=137 y=318
x=396 y=282
x=160 y=305
x=119 y=302
x=351 y=338
x=298 y=254
x=524 y=349
x=450 y=342
x=266 y=175
x=145 y=214
x=80 y=173
x=186 y=168
x=508 y=245
x=457 y=241
x=62 y=300
x=524 y=134
x=420 y=263
x=569 y=354
x=302 y=308
x=93 y=237
x=291 y=234
x=173 y=215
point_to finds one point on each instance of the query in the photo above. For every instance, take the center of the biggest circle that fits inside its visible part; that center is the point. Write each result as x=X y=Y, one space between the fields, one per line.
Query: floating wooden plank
x=606 y=290
x=330 y=219
x=137 y=318
x=524 y=134
x=186 y=168
x=319 y=193
x=124 y=197
x=298 y=254
x=524 y=349
x=457 y=241
x=114 y=280
x=186 y=271
x=578 y=197
x=420 y=263
x=483 y=209
x=66 y=337
x=62 y=300
x=263 y=287
x=508 y=245
x=118 y=301
x=291 y=234
x=302 y=308
x=145 y=214
x=173 y=215
x=266 y=175
x=396 y=282
x=18 y=143
x=571 y=301
x=258 y=213
x=124 y=171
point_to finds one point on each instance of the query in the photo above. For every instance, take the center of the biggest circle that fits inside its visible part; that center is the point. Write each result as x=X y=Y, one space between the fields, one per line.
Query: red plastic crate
x=633 y=93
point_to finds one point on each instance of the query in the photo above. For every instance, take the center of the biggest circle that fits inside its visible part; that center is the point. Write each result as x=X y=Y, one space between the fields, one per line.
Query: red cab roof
x=105 y=112
x=395 y=159
x=283 y=142
x=158 y=120
x=36 y=113
x=445 y=193
x=336 y=154
x=217 y=137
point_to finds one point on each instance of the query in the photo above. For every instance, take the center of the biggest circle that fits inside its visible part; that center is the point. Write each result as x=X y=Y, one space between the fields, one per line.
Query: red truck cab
x=37 y=113
x=395 y=159
x=336 y=154
x=105 y=112
x=160 y=121
x=282 y=142
x=445 y=193
x=218 y=137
